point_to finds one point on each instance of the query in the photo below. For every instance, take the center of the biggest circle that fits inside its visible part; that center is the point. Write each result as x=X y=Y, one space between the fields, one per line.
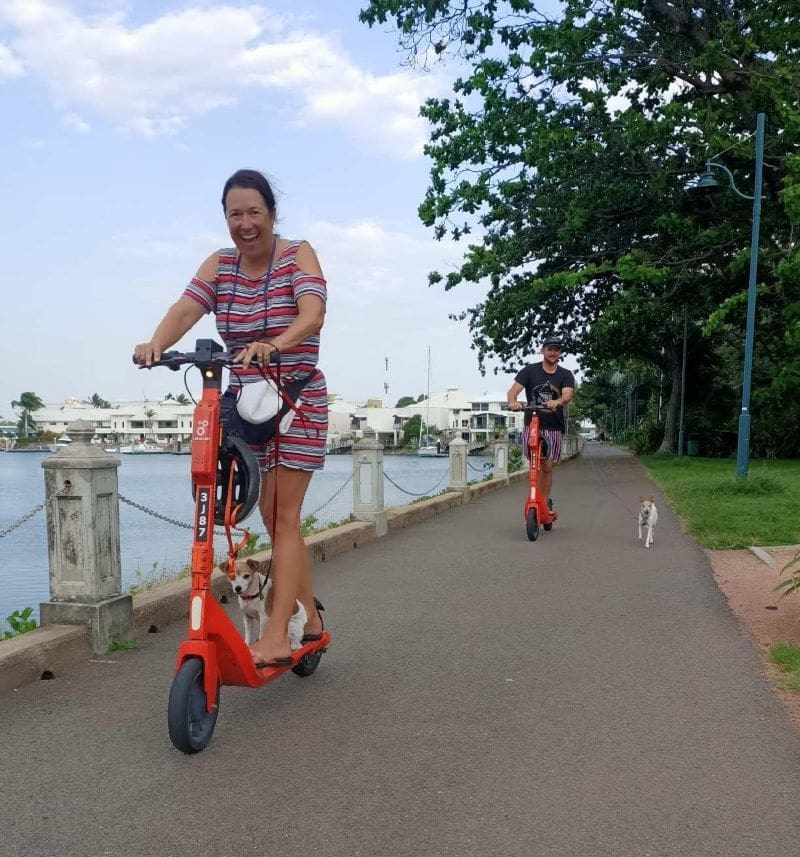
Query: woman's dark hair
x=253 y=180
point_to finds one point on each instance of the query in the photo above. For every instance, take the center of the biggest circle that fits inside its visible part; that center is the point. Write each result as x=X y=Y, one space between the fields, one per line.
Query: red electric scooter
x=226 y=480
x=537 y=513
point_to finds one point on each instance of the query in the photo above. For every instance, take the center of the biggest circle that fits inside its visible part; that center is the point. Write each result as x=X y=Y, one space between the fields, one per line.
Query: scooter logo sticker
x=201 y=529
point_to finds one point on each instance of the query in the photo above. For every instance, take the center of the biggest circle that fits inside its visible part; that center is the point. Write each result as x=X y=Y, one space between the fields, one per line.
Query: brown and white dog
x=255 y=601
x=648 y=518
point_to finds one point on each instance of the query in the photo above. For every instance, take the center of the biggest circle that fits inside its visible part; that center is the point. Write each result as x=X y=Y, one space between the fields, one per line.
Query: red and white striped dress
x=246 y=314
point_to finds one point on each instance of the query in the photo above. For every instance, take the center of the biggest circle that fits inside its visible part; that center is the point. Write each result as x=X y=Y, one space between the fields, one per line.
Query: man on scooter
x=551 y=386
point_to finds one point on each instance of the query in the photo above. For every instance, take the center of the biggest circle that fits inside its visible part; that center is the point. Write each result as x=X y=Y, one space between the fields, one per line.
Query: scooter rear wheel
x=191 y=724
x=532 y=525
x=307 y=665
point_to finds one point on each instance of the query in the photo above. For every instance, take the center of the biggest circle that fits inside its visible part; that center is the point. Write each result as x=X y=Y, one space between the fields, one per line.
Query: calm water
x=161 y=482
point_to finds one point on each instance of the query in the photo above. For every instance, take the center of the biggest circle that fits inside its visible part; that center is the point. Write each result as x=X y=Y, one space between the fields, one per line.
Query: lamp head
x=706 y=181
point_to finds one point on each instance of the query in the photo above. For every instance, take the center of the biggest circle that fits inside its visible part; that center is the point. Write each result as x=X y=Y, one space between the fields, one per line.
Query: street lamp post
x=681 y=424
x=708 y=180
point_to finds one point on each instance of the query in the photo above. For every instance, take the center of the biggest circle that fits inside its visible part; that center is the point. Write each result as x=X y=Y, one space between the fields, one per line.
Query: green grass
x=121 y=644
x=788 y=659
x=724 y=512
x=157 y=575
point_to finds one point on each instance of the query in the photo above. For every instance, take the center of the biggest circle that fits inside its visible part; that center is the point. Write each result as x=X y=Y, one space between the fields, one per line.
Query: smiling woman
x=268 y=294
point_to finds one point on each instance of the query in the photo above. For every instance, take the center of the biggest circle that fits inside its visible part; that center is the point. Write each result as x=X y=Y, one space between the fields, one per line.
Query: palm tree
x=182 y=399
x=150 y=413
x=97 y=401
x=27 y=403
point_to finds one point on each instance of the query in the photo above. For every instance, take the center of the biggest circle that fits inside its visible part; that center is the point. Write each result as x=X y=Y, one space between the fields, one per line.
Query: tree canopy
x=563 y=159
x=97 y=401
x=28 y=402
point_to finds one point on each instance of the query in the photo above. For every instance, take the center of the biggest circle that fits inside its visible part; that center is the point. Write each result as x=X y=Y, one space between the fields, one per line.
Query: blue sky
x=122 y=119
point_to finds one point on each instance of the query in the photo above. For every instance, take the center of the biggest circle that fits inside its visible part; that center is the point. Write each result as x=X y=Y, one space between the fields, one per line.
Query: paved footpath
x=483 y=695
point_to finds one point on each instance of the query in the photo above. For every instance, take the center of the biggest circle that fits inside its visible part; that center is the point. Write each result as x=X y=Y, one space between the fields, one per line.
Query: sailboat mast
x=428 y=396
x=427 y=402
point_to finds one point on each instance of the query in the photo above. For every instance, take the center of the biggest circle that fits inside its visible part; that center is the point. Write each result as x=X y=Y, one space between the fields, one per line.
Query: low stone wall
x=51 y=649
x=42 y=653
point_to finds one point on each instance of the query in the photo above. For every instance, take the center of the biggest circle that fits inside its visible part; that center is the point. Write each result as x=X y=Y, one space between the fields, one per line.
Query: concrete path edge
x=48 y=650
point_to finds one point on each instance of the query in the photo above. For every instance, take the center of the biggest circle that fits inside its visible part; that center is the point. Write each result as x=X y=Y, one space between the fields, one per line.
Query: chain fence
x=61 y=492
x=154 y=514
x=414 y=493
x=184 y=526
x=487 y=465
x=333 y=496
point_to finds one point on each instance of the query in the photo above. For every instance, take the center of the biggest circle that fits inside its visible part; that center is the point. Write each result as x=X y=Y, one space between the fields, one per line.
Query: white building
x=451 y=413
x=166 y=423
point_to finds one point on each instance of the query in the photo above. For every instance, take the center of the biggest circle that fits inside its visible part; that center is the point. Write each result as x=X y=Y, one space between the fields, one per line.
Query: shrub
x=515 y=458
x=645 y=437
x=19 y=622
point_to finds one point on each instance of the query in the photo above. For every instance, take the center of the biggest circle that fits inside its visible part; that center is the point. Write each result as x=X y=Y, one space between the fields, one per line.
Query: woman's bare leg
x=291 y=566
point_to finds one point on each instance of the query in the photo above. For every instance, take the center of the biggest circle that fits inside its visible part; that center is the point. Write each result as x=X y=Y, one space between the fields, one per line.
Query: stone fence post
x=83 y=540
x=368 y=482
x=573 y=445
x=500 y=459
x=458 y=466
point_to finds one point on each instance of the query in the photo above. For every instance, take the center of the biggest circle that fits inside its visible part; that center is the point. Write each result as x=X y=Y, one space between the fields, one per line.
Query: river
x=151 y=547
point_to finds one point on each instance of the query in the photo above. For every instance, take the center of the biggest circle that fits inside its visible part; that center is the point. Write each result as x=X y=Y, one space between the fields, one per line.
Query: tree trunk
x=669 y=444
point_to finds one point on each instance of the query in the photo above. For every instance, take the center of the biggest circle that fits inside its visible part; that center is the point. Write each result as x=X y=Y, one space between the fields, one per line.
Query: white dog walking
x=648 y=517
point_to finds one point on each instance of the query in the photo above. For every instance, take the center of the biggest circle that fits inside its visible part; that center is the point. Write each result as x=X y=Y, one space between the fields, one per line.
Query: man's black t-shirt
x=540 y=387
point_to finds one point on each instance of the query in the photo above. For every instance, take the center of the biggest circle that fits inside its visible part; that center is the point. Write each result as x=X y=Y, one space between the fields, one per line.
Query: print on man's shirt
x=544 y=393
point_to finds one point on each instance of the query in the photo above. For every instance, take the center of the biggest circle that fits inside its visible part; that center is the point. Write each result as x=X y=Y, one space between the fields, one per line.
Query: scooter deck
x=269 y=674
x=226 y=656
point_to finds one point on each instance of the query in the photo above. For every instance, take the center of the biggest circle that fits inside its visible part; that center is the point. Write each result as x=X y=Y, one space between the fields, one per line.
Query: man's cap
x=551 y=341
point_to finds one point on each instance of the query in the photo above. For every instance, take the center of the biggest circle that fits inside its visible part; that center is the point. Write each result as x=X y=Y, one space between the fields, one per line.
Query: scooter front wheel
x=532 y=525
x=191 y=724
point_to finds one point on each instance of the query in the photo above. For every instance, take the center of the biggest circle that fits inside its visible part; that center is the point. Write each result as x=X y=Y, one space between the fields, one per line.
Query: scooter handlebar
x=175 y=359
x=536 y=409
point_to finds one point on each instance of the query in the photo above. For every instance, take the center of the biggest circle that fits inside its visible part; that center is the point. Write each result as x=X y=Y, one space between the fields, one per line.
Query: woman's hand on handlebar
x=256 y=352
x=147 y=353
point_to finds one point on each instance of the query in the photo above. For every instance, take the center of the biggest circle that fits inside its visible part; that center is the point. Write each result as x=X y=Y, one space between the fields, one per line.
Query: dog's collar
x=251 y=597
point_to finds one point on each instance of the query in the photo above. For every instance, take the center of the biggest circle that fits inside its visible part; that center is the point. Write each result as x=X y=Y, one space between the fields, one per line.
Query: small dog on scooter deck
x=255 y=602
x=648 y=517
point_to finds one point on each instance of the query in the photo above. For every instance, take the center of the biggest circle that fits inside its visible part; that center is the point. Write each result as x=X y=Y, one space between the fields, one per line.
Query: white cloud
x=153 y=78
x=10 y=66
x=75 y=123
x=189 y=250
x=380 y=305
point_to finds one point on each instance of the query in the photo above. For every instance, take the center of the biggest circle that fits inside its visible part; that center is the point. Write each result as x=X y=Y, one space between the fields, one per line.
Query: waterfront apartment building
x=451 y=413
x=166 y=423
x=477 y=418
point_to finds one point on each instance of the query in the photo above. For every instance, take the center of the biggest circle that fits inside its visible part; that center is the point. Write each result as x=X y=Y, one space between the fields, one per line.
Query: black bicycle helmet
x=235 y=455
x=552 y=341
